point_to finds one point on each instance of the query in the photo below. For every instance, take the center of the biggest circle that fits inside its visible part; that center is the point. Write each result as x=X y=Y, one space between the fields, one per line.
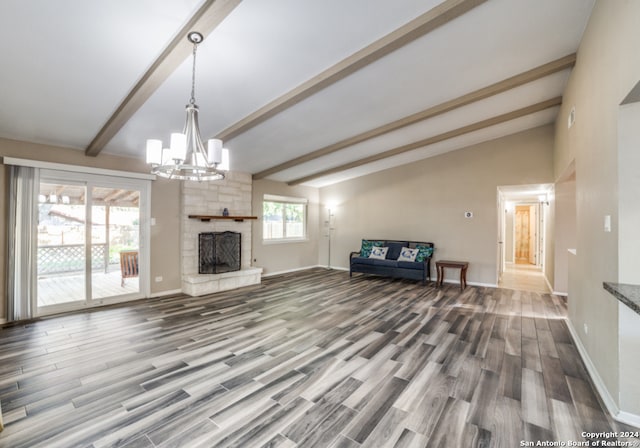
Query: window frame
x=283 y=201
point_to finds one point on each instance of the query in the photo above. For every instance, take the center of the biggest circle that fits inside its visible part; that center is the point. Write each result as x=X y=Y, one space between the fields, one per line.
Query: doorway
x=521 y=230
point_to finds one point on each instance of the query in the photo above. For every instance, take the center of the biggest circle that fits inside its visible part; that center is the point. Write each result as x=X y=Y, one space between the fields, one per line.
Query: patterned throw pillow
x=424 y=252
x=378 y=253
x=407 y=254
x=367 y=245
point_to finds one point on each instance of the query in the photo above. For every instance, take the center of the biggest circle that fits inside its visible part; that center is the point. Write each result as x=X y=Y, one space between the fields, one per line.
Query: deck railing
x=70 y=258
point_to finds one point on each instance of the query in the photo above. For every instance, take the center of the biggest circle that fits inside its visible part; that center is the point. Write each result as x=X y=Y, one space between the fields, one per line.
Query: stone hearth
x=200 y=284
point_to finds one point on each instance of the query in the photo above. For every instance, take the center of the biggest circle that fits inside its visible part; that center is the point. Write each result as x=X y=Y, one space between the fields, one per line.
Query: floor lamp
x=329 y=229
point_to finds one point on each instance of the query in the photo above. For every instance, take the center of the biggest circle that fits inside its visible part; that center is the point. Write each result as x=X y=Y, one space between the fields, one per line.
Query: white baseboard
x=165 y=293
x=607 y=399
x=547 y=282
x=611 y=405
x=555 y=293
x=288 y=271
x=628 y=418
x=457 y=282
x=485 y=285
x=3 y=321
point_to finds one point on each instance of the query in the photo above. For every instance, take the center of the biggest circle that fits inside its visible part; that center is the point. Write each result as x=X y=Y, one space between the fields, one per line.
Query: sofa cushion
x=407 y=254
x=379 y=253
x=365 y=249
x=385 y=263
x=424 y=252
x=410 y=265
x=375 y=262
x=395 y=247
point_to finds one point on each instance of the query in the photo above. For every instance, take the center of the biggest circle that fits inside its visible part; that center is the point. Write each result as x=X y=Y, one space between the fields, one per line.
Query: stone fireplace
x=210 y=198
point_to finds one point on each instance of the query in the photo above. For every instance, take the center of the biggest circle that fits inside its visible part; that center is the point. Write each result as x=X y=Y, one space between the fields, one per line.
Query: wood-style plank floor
x=310 y=359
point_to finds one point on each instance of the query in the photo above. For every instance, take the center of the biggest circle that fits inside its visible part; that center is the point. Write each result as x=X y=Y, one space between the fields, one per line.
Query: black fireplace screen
x=218 y=252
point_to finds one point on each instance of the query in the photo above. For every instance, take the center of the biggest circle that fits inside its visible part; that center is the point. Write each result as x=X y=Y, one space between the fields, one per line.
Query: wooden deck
x=54 y=290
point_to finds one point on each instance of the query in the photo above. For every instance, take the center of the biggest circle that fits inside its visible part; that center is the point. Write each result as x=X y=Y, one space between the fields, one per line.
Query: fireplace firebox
x=218 y=252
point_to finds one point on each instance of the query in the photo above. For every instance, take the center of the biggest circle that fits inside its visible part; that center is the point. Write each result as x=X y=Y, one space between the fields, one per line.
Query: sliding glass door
x=61 y=243
x=91 y=240
x=115 y=242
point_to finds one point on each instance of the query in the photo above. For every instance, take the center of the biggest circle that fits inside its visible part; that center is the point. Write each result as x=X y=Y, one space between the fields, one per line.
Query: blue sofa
x=390 y=266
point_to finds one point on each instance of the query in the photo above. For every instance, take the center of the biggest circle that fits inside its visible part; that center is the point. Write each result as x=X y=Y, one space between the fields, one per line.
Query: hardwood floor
x=310 y=359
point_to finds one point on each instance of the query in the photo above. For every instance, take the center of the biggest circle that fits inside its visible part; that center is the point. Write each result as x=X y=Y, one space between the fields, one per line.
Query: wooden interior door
x=533 y=217
x=522 y=234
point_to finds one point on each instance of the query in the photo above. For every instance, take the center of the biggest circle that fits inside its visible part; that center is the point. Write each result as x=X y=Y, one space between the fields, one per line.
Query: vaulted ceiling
x=301 y=91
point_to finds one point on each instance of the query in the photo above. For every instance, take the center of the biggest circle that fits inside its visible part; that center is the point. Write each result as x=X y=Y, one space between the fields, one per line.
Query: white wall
x=565 y=232
x=606 y=69
x=509 y=239
x=549 y=235
x=629 y=194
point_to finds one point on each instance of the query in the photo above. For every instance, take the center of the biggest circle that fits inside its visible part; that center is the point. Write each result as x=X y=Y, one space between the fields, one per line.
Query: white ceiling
x=68 y=64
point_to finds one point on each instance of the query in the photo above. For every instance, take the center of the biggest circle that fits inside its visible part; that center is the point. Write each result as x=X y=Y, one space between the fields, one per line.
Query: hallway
x=524 y=277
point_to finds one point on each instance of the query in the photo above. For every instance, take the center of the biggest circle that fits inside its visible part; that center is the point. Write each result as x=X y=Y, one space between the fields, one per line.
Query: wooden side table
x=462 y=265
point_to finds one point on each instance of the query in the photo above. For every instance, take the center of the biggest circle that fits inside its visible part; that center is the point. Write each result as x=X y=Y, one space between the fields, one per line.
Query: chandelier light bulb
x=154 y=152
x=178 y=146
x=214 y=151
x=225 y=164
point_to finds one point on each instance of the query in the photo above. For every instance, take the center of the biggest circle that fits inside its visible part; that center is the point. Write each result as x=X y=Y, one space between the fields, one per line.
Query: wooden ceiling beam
x=205 y=20
x=427 y=22
x=485 y=92
x=435 y=139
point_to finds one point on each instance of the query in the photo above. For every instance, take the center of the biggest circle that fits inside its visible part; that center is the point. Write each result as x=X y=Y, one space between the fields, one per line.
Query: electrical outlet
x=159 y=279
x=586 y=328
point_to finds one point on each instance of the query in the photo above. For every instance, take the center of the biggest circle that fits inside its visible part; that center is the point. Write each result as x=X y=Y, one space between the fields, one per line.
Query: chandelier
x=186 y=158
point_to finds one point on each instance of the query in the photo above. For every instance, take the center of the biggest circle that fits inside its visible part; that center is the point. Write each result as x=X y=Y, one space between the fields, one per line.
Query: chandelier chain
x=193 y=76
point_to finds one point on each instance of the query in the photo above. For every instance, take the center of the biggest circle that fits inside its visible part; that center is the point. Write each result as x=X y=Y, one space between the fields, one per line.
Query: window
x=284 y=218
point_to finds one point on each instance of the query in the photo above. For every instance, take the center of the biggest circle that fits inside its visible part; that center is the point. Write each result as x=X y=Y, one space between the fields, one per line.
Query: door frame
x=90 y=181
x=526 y=194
